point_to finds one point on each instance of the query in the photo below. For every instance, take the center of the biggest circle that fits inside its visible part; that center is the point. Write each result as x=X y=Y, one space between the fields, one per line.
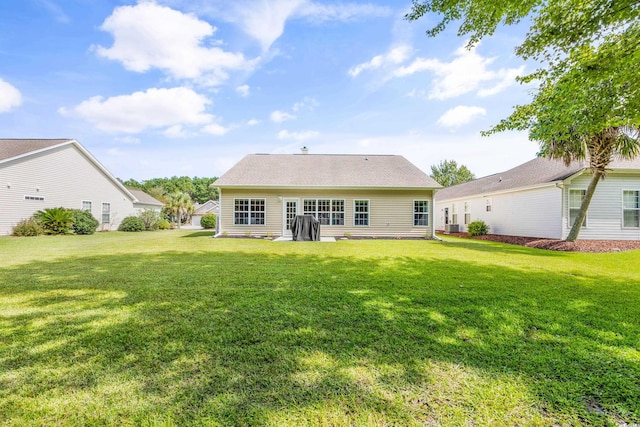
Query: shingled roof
x=144 y=197
x=538 y=171
x=10 y=148
x=325 y=171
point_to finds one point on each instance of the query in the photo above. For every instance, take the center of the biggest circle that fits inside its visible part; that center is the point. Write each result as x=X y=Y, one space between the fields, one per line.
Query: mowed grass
x=177 y=328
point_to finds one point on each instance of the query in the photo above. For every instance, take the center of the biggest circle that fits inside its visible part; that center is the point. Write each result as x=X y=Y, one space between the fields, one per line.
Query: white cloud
x=281 y=116
x=467 y=72
x=176 y=131
x=129 y=140
x=216 y=129
x=154 y=108
x=395 y=56
x=341 y=12
x=460 y=115
x=243 y=90
x=148 y=36
x=298 y=136
x=55 y=10
x=307 y=103
x=10 y=97
x=253 y=122
x=265 y=20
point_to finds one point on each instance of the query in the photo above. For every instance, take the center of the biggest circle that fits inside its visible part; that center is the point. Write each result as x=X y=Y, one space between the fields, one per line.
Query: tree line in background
x=199 y=189
x=178 y=193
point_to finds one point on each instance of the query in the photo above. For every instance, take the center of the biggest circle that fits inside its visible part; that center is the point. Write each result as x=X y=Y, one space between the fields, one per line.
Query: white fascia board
x=322 y=187
x=42 y=150
x=105 y=171
x=87 y=155
x=496 y=193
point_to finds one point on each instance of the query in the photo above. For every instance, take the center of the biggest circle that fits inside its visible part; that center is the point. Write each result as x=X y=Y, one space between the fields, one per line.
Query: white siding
x=390 y=212
x=604 y=217
x=64 y=177
x=531 y=213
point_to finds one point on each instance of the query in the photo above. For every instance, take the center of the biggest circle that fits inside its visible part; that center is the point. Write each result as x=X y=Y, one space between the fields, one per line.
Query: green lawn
x=177 y=328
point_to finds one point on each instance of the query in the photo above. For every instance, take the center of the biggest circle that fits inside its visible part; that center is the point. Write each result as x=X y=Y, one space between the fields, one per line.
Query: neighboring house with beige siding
x=541 y=198
x=357 y=195
x=36 y=174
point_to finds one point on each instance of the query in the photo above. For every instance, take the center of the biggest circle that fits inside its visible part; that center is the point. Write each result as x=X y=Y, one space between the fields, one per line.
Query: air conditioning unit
x=451 y=228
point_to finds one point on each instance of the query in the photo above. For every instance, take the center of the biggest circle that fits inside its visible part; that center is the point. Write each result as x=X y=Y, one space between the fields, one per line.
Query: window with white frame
x=41 y=198
x=360 y=212
x=454 y=214
x=106 y=213
x=420 y=213
x=249 y=212
x=326 y=211
x=467 y=213
x=575 y=201
x=489 y=205
x=631 y=208
x=86 y=205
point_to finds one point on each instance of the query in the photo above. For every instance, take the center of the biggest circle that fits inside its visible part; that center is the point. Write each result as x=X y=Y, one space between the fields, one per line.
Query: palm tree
x=599 y=149
x=179 y=204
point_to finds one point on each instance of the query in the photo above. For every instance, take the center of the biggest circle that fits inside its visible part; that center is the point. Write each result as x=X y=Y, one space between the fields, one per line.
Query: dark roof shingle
x=326 y=170
x=10 y=148
x=144 y=197
x=537 y=171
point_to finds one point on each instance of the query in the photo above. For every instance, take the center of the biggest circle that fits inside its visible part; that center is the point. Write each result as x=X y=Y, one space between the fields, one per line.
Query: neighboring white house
x=37 y=174
x=358 y=195
x=541 y=198
x=210 y=206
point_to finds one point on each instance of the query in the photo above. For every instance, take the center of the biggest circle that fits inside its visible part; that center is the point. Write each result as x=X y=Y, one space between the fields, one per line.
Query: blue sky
x=188 y=87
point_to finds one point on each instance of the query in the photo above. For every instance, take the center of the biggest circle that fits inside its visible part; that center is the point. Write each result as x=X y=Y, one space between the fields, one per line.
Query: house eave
x=88 y=155
x=510 y=190
x=323 y=187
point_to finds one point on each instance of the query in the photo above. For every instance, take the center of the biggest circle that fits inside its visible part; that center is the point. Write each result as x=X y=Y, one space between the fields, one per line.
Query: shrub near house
x=208 y=221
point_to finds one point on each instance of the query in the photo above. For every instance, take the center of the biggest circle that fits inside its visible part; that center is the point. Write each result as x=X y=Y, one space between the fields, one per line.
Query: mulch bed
x=560 y=245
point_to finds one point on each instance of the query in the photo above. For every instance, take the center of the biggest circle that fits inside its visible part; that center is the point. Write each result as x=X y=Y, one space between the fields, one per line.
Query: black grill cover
x=305 y=228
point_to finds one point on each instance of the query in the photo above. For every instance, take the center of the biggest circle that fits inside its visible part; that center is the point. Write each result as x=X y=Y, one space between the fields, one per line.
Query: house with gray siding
x=36 y=174
x=541 y=198
x=350 y=195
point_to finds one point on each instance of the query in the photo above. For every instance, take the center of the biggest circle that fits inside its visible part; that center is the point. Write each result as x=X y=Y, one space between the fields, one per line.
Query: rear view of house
x=36 y=174
x=541 y=198
x=357 y=195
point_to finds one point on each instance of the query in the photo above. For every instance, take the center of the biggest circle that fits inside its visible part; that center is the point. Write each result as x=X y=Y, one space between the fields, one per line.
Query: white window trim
x=315 y=214
x=586 y=218
x=454 y=214
x=623 y=209
x=413 y=212
x=86 y=201
x=488 y=204
x=102 y=221
x=249 y=212
x=467 y=211
x=368 y=212
x=33 y=198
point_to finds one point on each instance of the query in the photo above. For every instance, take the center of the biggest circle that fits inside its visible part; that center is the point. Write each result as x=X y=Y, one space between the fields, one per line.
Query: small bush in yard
x=27 y=228
x=131 y=223
x=55 y=220
x=208 y=220
x=477 y=228
x=151 y=219
x=84 y=222
x=164 y=224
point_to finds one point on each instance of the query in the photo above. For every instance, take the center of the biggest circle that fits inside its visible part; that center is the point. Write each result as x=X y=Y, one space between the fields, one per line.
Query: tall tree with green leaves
x=587 y=106
x=448 y=173
x=179 y=204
